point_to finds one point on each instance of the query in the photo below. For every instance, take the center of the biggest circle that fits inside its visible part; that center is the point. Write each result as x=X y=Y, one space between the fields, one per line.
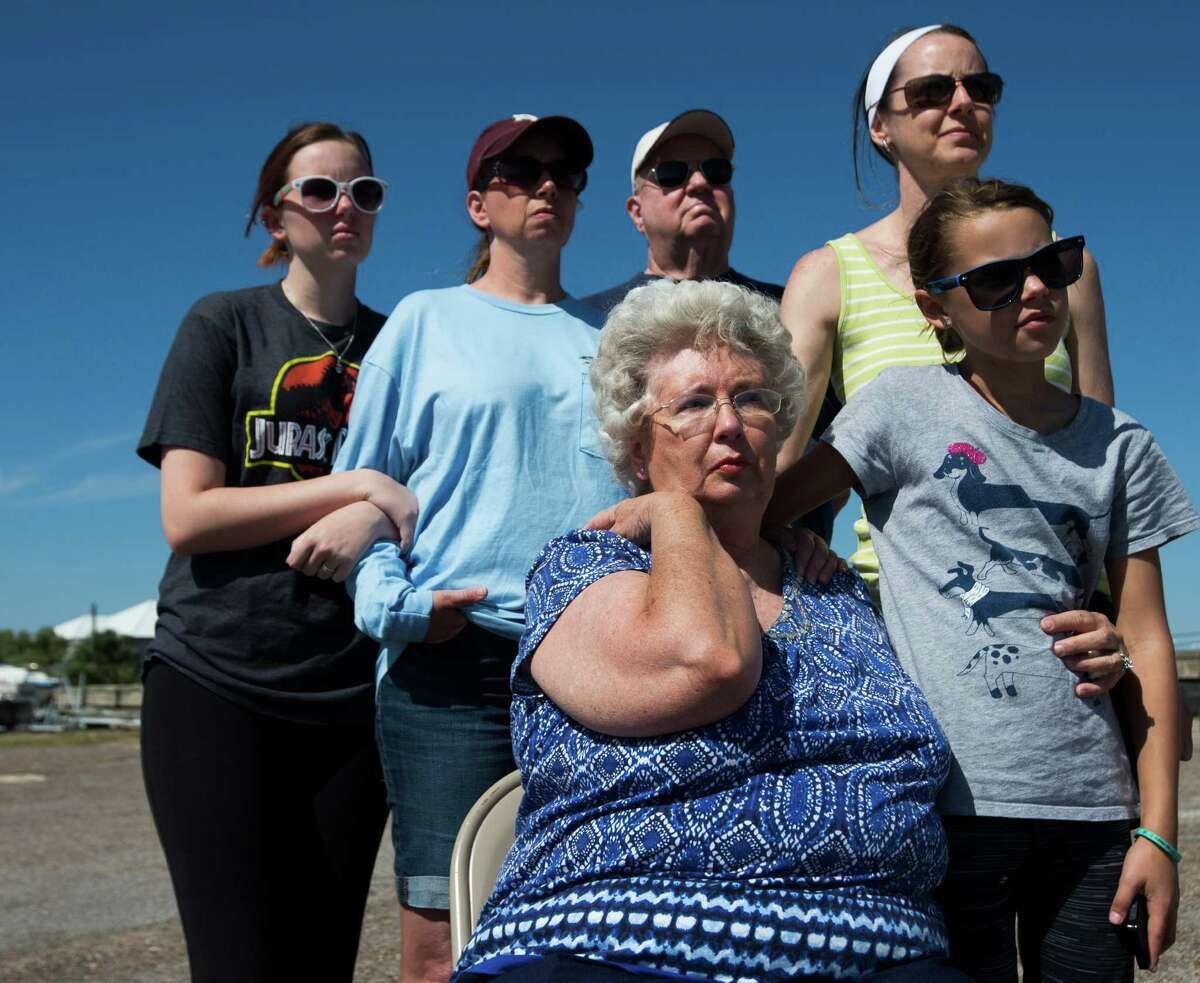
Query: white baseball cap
x=697 y=122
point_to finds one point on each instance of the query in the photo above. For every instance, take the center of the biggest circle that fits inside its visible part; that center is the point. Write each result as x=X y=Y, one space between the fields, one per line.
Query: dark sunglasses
x=670 y=174
x=929 y=91
x=996 y=285
x=320 y=194
x=526 y=173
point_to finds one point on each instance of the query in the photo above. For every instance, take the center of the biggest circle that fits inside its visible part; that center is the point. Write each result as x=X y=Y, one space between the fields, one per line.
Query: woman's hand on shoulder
x=812 y=557
x=330 y=547
x=633 y=518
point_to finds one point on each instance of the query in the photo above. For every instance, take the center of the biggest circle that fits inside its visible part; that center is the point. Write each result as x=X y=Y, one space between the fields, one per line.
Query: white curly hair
x=665 y=316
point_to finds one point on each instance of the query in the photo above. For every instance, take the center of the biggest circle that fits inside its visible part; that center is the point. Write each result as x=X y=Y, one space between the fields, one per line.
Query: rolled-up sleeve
x=387 y=606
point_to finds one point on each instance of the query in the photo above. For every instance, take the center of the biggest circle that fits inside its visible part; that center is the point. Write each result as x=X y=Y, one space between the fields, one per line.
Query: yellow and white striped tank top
x=878 y=327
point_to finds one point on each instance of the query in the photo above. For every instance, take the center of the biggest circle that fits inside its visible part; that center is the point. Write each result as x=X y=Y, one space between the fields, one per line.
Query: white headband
x=881 y=68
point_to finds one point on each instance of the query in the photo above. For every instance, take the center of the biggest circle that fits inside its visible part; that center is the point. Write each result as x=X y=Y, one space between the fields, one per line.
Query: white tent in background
x=77 y=628
x=133 y=622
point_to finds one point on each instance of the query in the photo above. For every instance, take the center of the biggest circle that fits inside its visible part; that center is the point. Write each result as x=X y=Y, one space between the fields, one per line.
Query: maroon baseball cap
x=502 y=134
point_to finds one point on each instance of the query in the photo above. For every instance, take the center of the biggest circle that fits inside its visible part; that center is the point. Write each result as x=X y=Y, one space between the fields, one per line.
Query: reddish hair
x=273 y=175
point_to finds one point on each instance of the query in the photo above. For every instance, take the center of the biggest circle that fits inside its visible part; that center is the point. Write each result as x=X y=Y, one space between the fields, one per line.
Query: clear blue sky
x=134 y=132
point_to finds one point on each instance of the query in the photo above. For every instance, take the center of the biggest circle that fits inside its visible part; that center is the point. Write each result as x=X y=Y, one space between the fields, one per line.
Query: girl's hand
x=633 y=518
x=1149 y=871
x=1095 y=649
x=813 y=558
x=330 y=547
x=396 y=502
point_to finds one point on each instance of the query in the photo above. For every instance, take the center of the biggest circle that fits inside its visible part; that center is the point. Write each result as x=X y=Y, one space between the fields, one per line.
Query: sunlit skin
x=689 y=226
x=1006 y=349
x=731 y=468
x=340 y=237
x=932 y=146
x=545 y=215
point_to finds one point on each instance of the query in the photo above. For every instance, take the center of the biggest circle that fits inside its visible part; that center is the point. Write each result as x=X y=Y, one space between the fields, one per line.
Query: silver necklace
x=339 y=353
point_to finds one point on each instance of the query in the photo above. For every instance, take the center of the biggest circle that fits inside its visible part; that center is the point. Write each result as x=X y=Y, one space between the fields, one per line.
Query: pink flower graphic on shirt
x=972 y=454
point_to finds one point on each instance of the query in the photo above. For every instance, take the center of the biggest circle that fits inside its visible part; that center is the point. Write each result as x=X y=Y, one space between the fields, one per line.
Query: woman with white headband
x=926 y=105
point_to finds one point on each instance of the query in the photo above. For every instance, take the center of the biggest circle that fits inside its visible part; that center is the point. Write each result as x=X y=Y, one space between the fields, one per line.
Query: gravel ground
x=85 y=894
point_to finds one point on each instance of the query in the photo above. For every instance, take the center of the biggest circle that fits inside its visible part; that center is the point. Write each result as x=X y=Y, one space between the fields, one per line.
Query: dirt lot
x=85 y=894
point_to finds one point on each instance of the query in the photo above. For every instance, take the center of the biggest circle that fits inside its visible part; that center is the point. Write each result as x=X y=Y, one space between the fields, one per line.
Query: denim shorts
x=442 y=729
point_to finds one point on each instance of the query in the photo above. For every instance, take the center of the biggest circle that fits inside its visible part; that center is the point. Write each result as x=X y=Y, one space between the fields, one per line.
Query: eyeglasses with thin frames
x=692 y=414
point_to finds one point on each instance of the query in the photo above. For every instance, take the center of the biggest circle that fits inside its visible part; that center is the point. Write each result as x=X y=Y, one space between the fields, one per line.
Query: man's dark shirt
x=606 y=300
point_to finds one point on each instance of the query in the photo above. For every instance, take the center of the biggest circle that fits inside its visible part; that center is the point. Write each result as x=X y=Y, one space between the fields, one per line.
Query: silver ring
x=326 y=568
x=1126 y=662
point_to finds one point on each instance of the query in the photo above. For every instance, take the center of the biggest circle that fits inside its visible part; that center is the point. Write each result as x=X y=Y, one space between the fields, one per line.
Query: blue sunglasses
x=997 y=284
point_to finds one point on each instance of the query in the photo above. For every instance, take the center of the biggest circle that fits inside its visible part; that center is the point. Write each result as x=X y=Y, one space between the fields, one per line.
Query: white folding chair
x=479 y=849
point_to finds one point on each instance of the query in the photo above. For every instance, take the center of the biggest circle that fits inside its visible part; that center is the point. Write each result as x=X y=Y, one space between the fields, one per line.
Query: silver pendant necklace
x=338 y=353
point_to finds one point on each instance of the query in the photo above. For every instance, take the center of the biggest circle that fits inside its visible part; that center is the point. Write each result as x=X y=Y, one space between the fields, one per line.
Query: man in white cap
x=682 y=202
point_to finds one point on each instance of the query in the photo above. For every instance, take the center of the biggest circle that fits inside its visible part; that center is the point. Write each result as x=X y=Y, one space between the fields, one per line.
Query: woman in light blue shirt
x=476 y=398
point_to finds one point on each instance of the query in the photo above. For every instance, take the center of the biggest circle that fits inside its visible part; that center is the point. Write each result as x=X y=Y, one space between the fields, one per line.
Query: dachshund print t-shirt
x=983 y=527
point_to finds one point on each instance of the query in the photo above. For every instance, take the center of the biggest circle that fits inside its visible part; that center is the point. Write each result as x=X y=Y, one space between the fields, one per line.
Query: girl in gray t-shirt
x=994 y=500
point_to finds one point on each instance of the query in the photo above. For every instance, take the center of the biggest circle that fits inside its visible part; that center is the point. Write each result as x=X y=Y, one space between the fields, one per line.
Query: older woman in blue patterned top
x=727 y=774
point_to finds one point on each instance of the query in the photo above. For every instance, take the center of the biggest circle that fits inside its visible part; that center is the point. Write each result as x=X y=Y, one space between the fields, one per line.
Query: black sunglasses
x=996 y=285
x=526 y=173
x=670 y=174
x=928 y=91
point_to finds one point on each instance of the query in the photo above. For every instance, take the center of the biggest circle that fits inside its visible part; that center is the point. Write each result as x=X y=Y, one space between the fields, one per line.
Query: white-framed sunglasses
x=319 y=193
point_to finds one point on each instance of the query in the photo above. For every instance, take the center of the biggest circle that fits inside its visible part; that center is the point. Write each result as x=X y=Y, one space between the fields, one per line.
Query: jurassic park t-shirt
x=250 y=382
x=983 y=527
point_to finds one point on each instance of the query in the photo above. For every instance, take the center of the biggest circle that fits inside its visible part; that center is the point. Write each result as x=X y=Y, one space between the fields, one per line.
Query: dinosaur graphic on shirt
x=306 y=421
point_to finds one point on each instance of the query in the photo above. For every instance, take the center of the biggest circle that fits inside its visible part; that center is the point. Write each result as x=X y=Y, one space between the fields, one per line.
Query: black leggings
x=270 y=830
x=1042 y=886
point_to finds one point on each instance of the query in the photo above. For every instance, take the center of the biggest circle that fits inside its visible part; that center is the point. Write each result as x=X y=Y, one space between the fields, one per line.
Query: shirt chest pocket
x=589 y=426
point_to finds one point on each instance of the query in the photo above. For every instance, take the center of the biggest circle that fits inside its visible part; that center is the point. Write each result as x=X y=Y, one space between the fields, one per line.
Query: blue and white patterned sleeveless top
x=795 y=837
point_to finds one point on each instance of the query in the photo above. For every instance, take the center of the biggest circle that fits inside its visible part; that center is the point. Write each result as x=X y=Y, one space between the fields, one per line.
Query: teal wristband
x=1158 y=841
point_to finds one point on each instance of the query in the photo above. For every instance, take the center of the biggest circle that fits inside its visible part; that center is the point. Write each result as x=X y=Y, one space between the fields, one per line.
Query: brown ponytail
x=481 y=257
